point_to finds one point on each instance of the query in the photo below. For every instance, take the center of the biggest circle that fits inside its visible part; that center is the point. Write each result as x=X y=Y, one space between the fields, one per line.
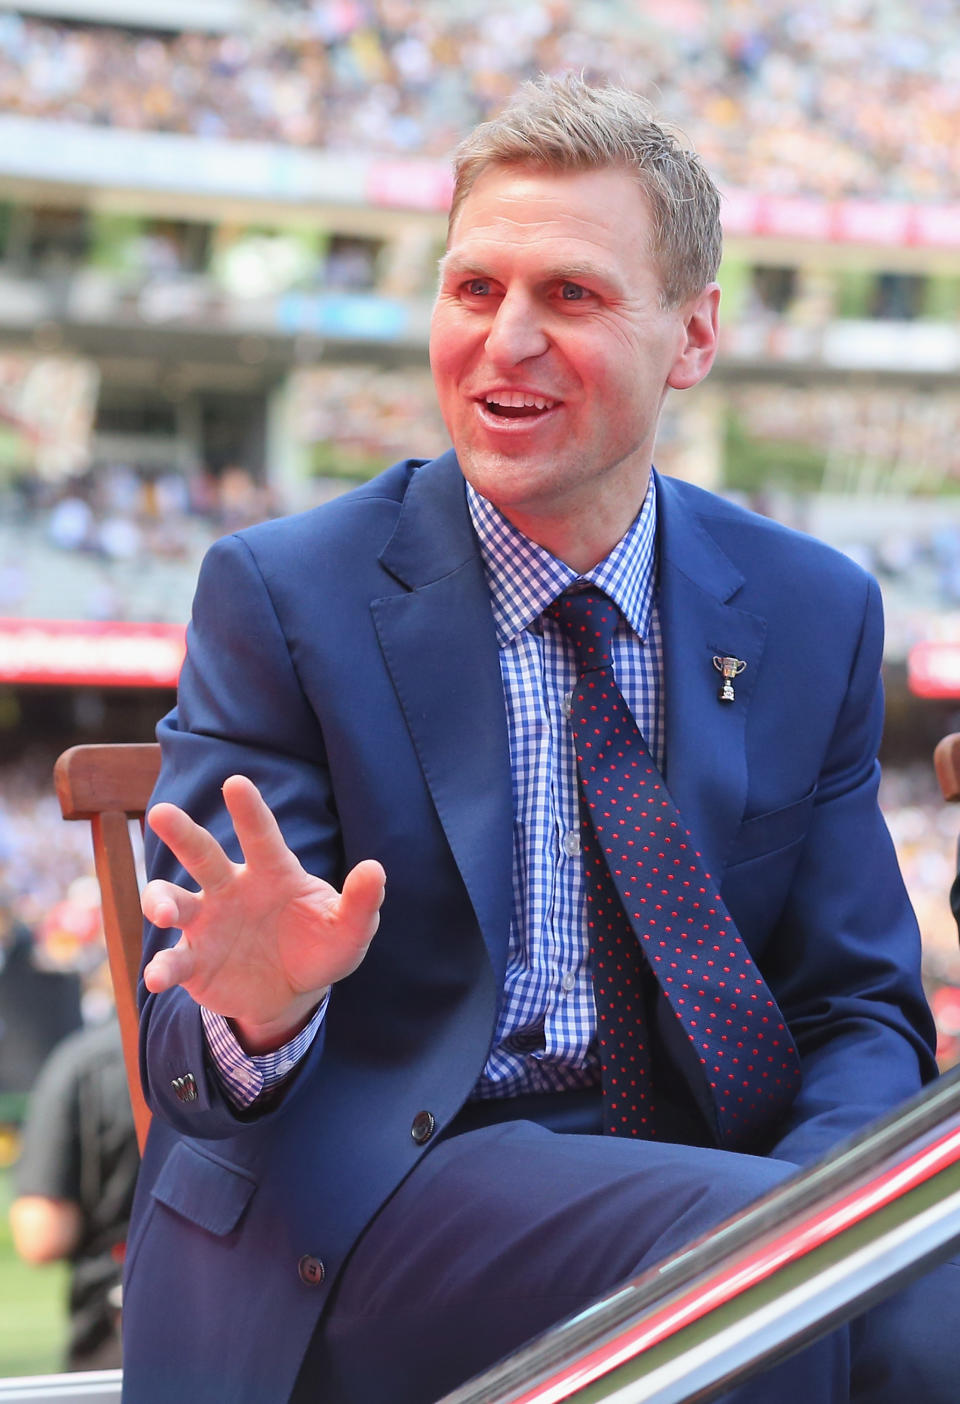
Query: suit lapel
x=706 y=738
x=440 y=647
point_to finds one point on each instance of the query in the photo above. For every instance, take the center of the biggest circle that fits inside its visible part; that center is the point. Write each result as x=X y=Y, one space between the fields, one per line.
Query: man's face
x=552 y=353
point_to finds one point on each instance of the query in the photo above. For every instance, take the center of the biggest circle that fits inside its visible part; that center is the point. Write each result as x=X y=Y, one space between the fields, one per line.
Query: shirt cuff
x=247 y=1076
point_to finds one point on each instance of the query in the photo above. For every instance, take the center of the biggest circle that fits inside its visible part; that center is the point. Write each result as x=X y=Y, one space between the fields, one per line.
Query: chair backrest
x=110 y=785
x=946 y=760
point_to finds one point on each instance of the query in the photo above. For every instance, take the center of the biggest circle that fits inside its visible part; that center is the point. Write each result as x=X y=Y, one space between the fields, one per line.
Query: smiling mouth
x=515 y=404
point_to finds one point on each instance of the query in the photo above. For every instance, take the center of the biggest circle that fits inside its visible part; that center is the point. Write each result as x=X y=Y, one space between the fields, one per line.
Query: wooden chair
x=946 y=761
x=109 y=785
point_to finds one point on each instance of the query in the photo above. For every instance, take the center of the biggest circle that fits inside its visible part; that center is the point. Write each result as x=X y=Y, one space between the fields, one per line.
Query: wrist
x=267 y=1037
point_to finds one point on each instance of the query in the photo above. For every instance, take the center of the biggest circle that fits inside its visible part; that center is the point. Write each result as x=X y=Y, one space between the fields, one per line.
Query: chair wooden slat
x=946 y=760
x=109 y=785
x=94 y=779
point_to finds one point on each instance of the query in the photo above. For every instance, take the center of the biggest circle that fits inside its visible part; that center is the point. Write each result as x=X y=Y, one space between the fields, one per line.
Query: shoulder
x=368 y=511
x=340 y=539
x=770 y=557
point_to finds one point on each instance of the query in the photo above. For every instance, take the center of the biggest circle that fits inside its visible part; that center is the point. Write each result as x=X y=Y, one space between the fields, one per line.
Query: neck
x=582 y=540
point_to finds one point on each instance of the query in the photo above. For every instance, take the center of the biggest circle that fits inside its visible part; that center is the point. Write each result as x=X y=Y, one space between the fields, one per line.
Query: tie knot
x=588 y=618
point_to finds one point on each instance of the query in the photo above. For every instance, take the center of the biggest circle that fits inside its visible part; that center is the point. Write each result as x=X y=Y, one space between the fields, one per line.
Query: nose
x=517 y=332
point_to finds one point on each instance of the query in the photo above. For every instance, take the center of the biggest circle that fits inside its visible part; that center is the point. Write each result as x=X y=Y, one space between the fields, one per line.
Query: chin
x=505 y=492
x=490 y=471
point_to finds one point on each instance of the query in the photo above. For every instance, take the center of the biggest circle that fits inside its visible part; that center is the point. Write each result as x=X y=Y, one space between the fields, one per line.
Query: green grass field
x=32 y=1305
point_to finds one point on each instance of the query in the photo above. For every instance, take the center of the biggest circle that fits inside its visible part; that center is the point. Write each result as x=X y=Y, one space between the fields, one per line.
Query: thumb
x=364 y=889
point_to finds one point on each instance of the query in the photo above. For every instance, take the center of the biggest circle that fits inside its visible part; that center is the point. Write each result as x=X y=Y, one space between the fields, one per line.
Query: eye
x=572 y=292
x=477 y=287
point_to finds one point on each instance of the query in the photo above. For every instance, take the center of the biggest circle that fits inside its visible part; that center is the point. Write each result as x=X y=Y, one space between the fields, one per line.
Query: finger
x=254 y=823
x=167 y=905
x=192 y=846
x=362 y=896
x=174 y=966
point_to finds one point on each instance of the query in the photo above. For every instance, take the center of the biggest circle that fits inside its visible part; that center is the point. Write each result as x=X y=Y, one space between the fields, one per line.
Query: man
x=372 y=1053
x=75 y=1180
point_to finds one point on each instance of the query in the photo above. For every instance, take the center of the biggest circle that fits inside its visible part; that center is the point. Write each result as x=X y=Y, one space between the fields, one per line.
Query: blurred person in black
x=39 y=1003
x=75 y=1180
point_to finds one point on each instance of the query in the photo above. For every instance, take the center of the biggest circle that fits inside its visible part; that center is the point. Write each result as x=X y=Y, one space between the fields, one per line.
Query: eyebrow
x=451 y=263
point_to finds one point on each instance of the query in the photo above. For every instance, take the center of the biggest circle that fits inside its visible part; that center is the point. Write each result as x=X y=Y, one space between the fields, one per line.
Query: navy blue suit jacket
x=345 y=660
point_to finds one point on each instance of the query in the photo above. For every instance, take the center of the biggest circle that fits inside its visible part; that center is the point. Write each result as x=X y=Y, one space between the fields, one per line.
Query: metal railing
x=91 y=1387
x=815 y=1252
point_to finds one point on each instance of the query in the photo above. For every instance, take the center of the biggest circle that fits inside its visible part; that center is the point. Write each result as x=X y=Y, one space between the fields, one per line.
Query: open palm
x=262 y=939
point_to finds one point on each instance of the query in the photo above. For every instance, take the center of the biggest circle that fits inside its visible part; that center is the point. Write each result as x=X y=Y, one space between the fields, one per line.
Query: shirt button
x=568 y=981
x=571 y=842
x=567 y=705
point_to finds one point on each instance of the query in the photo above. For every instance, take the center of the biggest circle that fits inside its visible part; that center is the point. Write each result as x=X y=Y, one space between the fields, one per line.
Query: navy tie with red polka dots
x=652 y=905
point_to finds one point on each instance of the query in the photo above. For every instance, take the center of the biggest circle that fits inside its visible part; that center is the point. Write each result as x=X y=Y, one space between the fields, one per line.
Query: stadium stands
x=826 y=99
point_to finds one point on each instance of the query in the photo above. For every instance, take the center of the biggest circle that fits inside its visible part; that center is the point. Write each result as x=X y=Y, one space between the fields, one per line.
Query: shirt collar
x=523 y=578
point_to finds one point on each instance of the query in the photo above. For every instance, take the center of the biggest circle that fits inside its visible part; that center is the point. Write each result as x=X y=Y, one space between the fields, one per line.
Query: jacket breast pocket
x=204 y=1189
x=772 y=832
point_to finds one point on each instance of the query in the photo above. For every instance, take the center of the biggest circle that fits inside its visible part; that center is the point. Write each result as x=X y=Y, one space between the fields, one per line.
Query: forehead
x=602 y=212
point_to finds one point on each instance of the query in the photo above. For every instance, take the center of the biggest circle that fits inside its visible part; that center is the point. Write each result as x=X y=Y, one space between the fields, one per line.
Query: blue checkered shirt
x=545 y=1023
x=546 y=1019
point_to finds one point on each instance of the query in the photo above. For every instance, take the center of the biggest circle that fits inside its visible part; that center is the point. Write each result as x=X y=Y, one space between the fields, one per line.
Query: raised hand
x=262 y=940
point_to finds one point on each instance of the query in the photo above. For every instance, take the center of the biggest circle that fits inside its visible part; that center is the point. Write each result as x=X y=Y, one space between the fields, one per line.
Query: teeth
x=516 y=399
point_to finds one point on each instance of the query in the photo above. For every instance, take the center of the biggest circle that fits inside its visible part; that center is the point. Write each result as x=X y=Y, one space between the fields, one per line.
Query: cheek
x=448 y=358
x=624 y=405
x=631 y=374
x=614 y=386
x=441 y=335
x=454 y=334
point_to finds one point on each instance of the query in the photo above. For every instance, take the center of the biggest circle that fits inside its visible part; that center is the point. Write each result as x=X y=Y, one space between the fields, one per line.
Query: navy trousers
x=509 y=1226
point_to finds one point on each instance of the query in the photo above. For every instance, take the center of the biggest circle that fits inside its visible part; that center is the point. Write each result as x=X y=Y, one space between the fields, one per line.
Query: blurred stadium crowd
x=117 y=543
x=834 y=98
x=124 y=542
x=41 y=860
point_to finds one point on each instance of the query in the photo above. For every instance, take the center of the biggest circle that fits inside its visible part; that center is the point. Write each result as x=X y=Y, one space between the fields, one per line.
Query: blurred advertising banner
x=83 y=653
x=933 y=669
x=47 y=408
x=889 y=223
x=76 y=153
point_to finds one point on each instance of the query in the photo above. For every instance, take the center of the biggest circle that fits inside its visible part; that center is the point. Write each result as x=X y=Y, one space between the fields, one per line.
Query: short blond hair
x=566 y=124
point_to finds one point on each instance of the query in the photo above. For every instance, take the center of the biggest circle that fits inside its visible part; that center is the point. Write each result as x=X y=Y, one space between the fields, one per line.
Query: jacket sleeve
x=240 y=709
x=848 y=947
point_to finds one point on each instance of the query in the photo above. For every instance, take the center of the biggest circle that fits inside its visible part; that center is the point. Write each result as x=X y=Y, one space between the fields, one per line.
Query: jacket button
x=424 y=1125
x=311 y=1270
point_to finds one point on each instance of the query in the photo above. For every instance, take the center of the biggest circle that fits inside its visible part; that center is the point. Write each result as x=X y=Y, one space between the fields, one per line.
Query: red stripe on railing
x=750 y=1270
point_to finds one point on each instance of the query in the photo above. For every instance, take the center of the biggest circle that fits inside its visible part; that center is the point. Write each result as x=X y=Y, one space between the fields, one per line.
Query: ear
x=699 y=317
